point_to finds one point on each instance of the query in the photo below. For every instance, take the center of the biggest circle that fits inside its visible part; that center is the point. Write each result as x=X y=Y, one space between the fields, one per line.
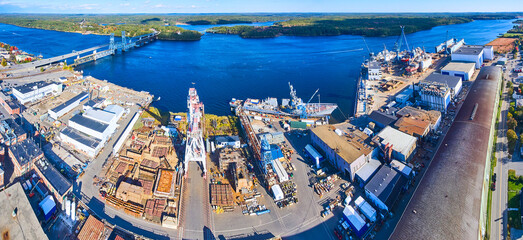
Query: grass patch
x=513 y=200
x=512 y=35
x=160 y=117
x=138 y=124
x=514 y=187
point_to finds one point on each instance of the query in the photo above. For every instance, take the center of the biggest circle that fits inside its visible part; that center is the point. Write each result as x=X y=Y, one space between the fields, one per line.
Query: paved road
x=47 y=61
x=89 y=195
x=498 y=228
x=195 y=222
x=499 y=215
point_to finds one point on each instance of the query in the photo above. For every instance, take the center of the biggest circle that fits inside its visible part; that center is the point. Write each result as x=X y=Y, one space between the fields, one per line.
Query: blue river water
x=225 y=66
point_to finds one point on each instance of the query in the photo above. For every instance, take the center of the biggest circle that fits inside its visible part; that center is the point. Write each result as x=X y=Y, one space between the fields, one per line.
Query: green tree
x=510 y=91
x=511 y=137
x=512 y=123
x=509 y=84
x=4 y=62
x=511 y=109
x=518 y=115
x=509 y=115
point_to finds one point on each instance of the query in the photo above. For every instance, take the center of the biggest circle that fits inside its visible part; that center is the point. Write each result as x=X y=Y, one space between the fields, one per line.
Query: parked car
x=337 y=233
x=494 y=177
x=493 y=186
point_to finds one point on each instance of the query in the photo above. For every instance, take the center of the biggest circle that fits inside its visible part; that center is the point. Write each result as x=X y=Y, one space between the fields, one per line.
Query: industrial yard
x=83 y=158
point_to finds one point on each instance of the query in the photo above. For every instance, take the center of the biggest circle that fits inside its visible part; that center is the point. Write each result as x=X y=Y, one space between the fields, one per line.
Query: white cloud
x=20 y=5
x=87 y=6
x=125 y=4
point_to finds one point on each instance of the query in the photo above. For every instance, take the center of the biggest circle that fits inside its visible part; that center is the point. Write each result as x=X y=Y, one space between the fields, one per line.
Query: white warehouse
x=403 y=145
x=81 y=141
x=34 y=91
x=67 y=106
x=464 y=70
x=91 y=127
x=473 y=53
x=89 y=132
x=374 y=71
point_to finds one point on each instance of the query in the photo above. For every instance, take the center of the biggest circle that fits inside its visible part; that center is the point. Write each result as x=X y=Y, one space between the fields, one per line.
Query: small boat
x=150 y=57
x=158 y=99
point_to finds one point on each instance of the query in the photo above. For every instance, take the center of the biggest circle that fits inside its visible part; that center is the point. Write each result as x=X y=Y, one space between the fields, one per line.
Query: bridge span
x=124 y=45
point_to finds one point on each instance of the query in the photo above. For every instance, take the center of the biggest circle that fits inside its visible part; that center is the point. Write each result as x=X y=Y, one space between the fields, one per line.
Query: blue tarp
x=48 y=206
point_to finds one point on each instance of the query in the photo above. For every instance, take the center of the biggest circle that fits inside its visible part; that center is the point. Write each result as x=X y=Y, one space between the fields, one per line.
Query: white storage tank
x=63 y=204
x=68 y=208
x=73 y=211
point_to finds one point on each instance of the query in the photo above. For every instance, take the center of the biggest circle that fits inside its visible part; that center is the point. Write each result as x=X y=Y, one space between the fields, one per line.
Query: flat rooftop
x=57 y=180
x=401 y=142
x=351 y=146
x=412 y=126
x=70 y=101
x=25 y=225
x=451 y=81
x=26 y=88
x=81 y=137
x=444 y=208
x=386 y=185
x=382 y=118
x=99 y=115
x=432 y=116
x=374 y=65
x=459 y=66
x=25 y=151
x=17 y=129
x=469 y=50
x=89 y=123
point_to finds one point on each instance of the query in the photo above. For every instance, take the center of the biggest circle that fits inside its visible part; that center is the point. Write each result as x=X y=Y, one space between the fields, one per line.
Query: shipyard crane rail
x=195 y=148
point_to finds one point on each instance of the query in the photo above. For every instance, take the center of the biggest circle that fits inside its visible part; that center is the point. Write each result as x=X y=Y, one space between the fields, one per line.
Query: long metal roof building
x=450 y=201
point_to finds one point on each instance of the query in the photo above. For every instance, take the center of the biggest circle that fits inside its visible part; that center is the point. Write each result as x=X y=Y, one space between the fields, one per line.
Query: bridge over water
x=113 y=47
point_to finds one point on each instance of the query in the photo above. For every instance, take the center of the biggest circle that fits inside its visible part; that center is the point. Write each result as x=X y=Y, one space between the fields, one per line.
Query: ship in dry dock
x=293 y=107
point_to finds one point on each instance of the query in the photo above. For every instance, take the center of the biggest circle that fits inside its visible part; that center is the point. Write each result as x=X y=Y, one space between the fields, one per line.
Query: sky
x=251 y=6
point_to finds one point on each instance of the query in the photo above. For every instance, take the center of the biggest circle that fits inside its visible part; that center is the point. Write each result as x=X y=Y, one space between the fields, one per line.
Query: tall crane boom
x=313 y=95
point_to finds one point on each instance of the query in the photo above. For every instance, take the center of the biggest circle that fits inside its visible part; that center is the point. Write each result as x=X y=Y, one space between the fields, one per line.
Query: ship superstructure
x=293 y=107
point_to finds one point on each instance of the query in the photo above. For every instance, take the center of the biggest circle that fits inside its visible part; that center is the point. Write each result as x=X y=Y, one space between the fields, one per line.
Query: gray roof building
x=451 y=81
x=25 y=151
x=82 y=138
x=57 y=181
x=82 y=96
x=386 y=185
x=31 y=86
x=382 y=119
x=374 y=65
x=89 y=123
x=25 y=225
x=470 y=49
